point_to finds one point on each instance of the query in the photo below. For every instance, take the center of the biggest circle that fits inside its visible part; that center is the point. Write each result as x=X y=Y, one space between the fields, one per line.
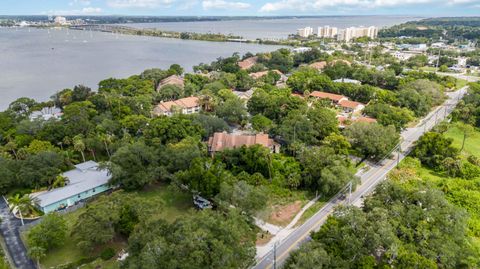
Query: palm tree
x=60 y=181
x=90 y=145
x=79 y=145
x=24 y=204
x=106 y=139
x=12 y=146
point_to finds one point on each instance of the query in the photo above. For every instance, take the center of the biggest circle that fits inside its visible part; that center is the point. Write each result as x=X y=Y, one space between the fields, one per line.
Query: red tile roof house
x=334 y=98
x=248 y=63
x=221 y=141
x=261 y=74
x=188 y=105
x=351 y=106
x=171 y=80
x=318 y=65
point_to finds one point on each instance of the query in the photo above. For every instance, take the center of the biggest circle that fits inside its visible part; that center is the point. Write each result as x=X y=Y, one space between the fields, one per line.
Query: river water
x=37 y=63
x=274 y=28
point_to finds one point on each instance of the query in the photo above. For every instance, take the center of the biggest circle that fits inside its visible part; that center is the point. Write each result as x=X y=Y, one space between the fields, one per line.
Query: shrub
x=107 y=254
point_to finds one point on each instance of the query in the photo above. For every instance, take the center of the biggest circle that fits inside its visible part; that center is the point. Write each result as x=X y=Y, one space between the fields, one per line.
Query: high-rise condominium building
x=354 y=32
x=305 y=32
x=327 y=31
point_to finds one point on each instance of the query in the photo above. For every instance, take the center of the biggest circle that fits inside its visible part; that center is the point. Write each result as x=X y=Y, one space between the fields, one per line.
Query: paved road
x=368 y=182
x=9 y=230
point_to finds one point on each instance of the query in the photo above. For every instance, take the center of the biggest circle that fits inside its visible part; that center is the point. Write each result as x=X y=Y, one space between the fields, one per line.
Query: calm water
x=36 y=63
x=274 y=28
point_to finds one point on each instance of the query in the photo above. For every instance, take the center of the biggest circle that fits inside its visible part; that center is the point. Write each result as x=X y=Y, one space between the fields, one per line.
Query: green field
x=461 y=83
x=472 y=143
x=173 y=205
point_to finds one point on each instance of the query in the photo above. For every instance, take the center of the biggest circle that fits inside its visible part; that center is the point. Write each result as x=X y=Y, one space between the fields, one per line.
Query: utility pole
x=275 y=255
x=399 y=150
x=438 y=60
x=349 y=191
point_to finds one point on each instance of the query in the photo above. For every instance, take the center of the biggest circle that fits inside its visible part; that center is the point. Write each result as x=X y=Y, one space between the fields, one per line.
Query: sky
x=241 y=7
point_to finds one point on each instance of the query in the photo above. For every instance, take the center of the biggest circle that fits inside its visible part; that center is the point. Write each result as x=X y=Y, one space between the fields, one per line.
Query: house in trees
x=221 y=141
x=46 y=113
x=261 y=74
x=340 y=101
x=244 y=95
x=318 y=65
x=171 y=80
x=345 y=121
x=83 y=182
x=348 y=80
x=248 y=63
x=334 y=98
x=188 y=105
x=350 y=106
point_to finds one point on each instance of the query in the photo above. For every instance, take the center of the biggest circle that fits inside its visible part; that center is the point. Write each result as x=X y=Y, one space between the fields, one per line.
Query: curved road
x=9 y=228
x=369 y=181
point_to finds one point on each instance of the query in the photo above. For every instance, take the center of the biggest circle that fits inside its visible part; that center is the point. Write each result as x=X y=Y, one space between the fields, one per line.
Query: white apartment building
x=305 y=32
x=327 y=31
x=60 y=20
x=354 y=32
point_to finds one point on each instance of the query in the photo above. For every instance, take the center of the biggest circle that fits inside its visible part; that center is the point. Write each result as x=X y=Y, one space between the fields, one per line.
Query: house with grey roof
x=83 y=182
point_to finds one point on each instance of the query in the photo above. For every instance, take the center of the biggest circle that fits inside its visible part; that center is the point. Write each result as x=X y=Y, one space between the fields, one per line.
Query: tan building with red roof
x=171 y=80
x=222 y=141
x=248 y=63
x=188 y=105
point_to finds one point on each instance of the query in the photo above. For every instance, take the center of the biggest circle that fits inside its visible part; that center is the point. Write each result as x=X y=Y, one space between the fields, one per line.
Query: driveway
x=9 y=229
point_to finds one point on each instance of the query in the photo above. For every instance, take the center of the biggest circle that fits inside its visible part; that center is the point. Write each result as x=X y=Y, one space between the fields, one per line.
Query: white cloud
x=222 y=4
x=82 y=2
x=309 y=5
x=188 y=4
x=91 y=10
x=83 y=11
x=139 y=3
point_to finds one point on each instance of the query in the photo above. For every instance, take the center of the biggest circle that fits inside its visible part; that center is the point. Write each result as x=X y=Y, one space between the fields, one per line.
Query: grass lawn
x=472 y=143
x=429 y=68
x=461 y=83
x=174 y=205
x=310 y=212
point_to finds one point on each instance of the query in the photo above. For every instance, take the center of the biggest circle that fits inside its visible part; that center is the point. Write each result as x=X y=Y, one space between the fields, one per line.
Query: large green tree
x=372 y=140
x=51 y=232
x=133 y=166
x=205 y=240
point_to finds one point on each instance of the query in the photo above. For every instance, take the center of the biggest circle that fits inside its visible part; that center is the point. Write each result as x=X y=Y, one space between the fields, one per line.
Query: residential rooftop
x=85 y=176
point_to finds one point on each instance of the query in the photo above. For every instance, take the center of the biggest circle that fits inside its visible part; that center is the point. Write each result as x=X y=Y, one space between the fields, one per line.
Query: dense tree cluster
x=397 y=227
